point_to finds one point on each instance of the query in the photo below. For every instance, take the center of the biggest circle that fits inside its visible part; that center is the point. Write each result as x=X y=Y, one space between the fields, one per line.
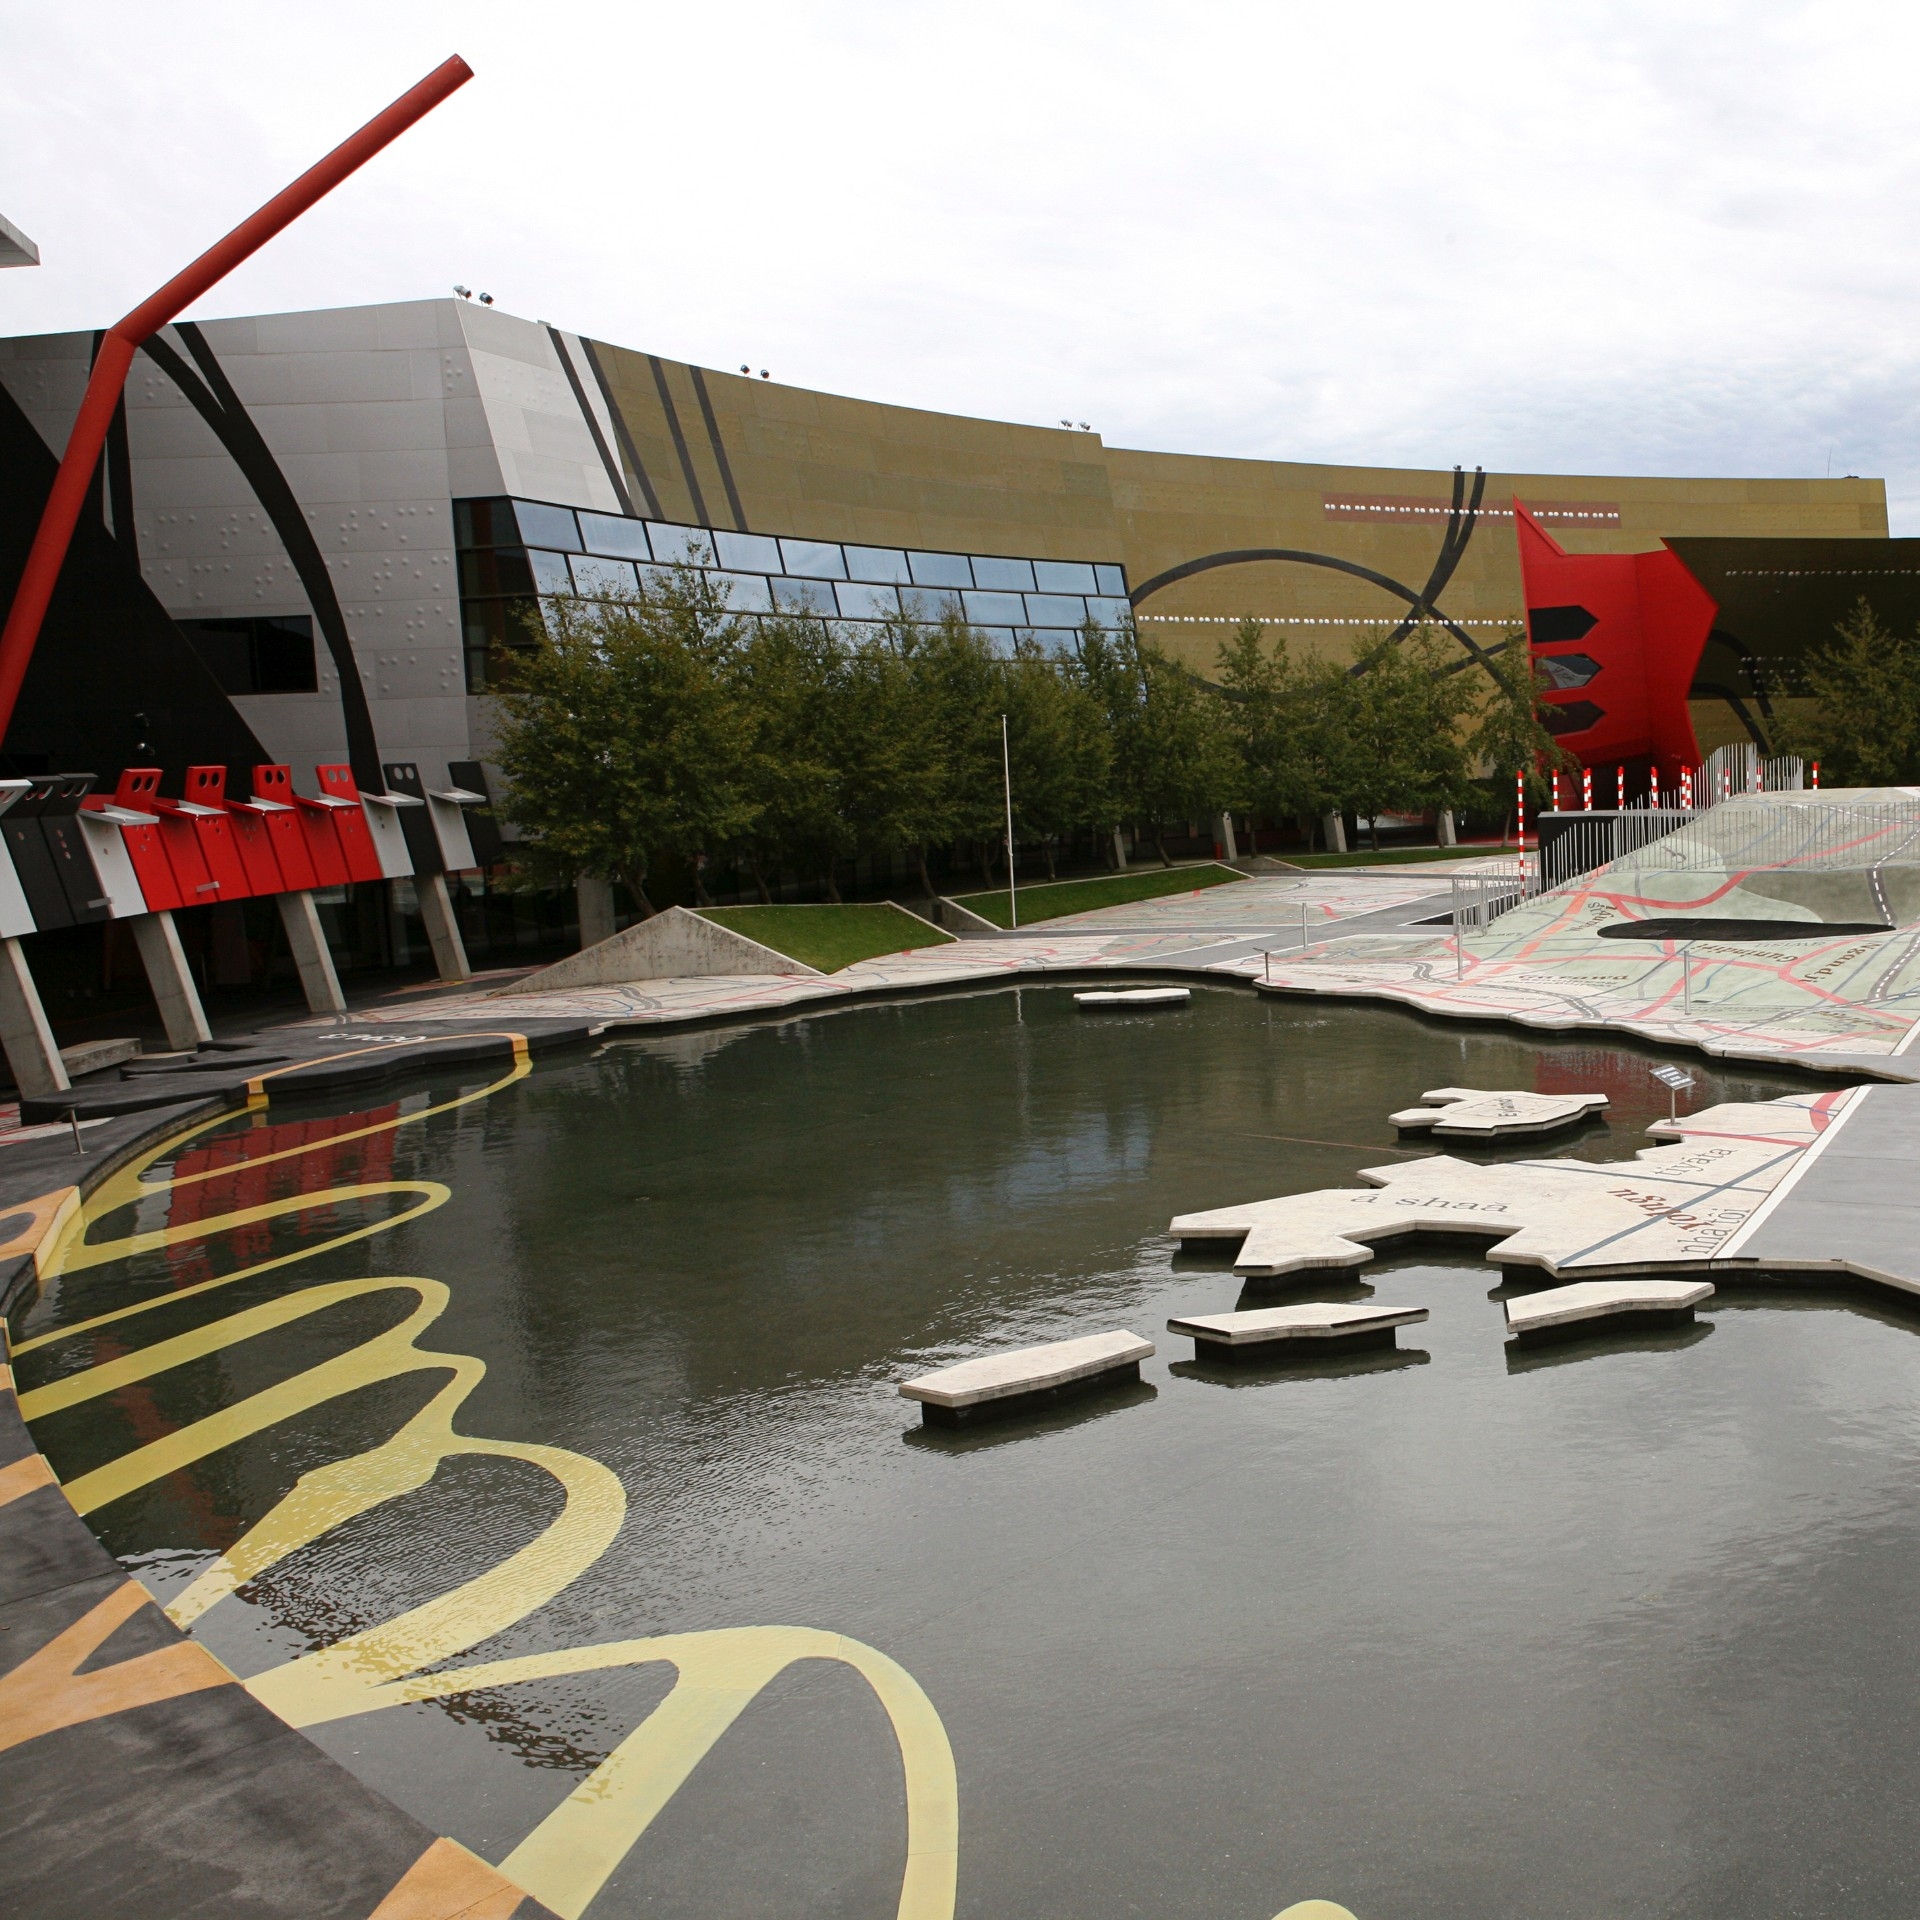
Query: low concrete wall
x=674 y=945
x=963 y=920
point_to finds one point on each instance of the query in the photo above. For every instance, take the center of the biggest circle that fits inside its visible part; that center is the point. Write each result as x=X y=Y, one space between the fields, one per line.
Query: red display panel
x=1620 y=636
x=146 y=846
x=356 y=839
x=284 y=829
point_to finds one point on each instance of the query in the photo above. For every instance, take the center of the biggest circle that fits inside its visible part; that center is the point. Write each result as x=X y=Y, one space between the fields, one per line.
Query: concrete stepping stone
x=1309 y=1331
x=1136 y=997
x=1673 y=1206
x=1477 y=1113
x=1028 y=1377
x=1575 y=1309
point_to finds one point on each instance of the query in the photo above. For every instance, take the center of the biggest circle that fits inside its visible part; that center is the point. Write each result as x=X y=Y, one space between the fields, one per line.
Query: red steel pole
x=64 y=503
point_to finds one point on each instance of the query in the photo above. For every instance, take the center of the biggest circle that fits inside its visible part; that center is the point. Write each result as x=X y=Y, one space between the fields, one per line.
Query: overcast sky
x=1632 y=238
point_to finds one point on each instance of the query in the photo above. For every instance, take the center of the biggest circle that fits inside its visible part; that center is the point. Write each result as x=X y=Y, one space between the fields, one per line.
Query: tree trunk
x=1160 y=846
x=760 y=881
x=1373 y=831
x=986 y=863
x=926 y=879
x=637 y=886
x=1047 y=843
x=701 y=897
x=832 y=882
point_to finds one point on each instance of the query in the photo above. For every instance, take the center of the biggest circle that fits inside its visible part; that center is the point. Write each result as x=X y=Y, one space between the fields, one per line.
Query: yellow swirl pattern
x=570 y=1855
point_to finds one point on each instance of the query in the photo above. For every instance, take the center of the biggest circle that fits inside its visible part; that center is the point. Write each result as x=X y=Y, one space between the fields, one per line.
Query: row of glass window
x=497 y=629
x=481 y=524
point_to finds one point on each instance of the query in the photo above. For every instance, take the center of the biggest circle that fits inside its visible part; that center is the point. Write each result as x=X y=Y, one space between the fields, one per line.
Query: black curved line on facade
x=1453 y=544
x=608 y=463
x=1712 y=690
x=219 y=406
x=622 y=432
x=679 y=440
x=719 y=447
x=1242 y=556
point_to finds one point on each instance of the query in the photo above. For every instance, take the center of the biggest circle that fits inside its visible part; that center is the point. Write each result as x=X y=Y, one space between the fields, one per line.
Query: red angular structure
x=1617 y=636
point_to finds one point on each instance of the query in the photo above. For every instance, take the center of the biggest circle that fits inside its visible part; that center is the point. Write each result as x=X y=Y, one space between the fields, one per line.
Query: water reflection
x=1198 y=1653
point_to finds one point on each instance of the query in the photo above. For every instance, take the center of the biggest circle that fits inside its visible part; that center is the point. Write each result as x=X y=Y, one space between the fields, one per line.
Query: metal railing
x=1806 y=835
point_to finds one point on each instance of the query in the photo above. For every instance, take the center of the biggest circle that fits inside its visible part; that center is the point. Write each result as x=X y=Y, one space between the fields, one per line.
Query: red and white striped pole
x=1520 y=808
x=1556 y=789
x=1586 y=789
x=1620 y=788
x=1686 y=788
x=1816 y=776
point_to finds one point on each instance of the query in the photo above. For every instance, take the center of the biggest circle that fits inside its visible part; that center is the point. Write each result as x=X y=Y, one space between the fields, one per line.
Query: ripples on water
x=1620 y=1631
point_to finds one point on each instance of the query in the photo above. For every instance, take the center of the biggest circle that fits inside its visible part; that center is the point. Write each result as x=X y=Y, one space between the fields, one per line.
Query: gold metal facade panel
x=823 y=466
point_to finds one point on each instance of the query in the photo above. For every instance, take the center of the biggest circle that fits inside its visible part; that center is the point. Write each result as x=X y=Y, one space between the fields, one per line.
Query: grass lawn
x=1049 y=902
x=1389 y=857
x=826 y=936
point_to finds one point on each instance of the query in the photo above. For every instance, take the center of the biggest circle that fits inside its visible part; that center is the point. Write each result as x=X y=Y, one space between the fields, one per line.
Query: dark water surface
x=1627 y=1630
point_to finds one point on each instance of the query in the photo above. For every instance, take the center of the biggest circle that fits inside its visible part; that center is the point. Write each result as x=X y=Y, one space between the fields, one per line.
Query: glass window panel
x=1000 y=640
x=1055 y=609
x=804 y=596
x=940 y=569
x=1007 y=576
x=597 y=578
x=877 y=563
x=922 y=605
x=745 y=591
x=609 y=533
x=681 y=546
x=500 y=570
x=1065 y=576
x=547 y=526
x=1061 y=643
x=1109 y=612
x=550 y=572
x=654 y=577
x=1113 y=580
x=749 y=552
x=816 y=559
x=995 y=609
x=484 y=523
x=868 y=603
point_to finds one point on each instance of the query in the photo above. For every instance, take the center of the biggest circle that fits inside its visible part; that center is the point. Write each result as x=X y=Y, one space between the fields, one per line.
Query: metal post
x=1686 y=978
x=1006 y=774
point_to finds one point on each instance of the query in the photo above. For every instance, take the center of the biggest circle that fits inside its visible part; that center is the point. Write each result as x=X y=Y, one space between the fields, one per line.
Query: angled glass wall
x=515 y=553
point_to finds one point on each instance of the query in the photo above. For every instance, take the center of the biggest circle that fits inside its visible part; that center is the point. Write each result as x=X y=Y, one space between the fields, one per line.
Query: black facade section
x=114 y=682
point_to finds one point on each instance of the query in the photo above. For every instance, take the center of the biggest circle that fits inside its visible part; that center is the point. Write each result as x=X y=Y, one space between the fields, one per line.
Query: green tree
x=1407 y=717
x=1510 y=735
x=1173 y=759
x=785 y=683
x=620 y=741
x=1864 y=727
x=1057 y=747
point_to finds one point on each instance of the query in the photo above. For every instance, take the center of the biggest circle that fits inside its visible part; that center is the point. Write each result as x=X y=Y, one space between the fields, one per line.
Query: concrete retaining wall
x=674 y=945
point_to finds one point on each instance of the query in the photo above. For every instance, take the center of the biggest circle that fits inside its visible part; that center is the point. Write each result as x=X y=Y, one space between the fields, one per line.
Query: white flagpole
x=1006 y=772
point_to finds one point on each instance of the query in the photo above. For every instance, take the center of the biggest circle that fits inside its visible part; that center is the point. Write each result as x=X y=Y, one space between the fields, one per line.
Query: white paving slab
x=1310 y=1324
x=1478 y=1113
x=1671 y=1206
x=1587 y=1300
x=1025 y=1370
x=1137 y=997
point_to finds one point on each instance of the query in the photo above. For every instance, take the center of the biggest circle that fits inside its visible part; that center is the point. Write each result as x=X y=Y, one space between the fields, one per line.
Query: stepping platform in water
x=1677 y=1206
x=1136 y=997
x=1310 y=1331
x=1592 y=1304
x=1028 y=1377
x=1475 y=1113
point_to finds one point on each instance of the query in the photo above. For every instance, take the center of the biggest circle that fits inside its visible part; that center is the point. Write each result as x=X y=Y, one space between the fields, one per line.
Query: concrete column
x=1223 y=832
x=1334 y=829
x=595 y=898
x=443 y=930
x=171 y=981
x=1443 y=829
x=301 y=919
x=28 y=1040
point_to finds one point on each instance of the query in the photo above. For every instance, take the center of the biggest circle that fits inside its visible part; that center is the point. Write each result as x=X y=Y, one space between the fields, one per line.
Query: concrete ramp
x=674 y=945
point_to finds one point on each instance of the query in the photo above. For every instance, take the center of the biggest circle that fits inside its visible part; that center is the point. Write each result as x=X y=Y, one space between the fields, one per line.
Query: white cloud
x=1619 y=238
